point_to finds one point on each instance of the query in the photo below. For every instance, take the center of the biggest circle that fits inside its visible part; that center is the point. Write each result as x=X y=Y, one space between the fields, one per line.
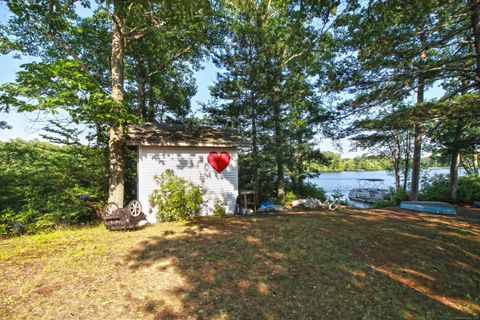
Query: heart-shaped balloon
x=219 y=161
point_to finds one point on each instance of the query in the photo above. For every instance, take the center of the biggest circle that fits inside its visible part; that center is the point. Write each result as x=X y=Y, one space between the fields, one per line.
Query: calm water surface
x=345 y=181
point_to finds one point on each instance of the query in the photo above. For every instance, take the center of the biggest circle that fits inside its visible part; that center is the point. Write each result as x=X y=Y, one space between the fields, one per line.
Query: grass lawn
x=348 y=264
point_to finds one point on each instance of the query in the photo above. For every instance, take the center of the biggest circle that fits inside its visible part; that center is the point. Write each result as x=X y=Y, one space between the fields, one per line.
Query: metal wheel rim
x=109 y=209
x=135 y=208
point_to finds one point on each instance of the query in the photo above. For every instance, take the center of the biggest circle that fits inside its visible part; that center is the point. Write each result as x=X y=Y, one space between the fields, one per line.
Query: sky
x=28 y=126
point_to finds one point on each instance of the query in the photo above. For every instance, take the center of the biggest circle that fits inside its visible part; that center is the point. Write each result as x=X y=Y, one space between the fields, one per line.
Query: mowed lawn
x=348 y=264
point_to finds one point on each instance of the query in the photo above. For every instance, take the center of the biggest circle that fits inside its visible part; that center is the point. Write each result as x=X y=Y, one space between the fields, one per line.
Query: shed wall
x=189 y=163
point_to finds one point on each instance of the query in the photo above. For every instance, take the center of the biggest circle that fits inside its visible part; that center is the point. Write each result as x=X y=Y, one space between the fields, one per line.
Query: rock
x=298 y=203
x=142 y=223
x=313 y=204
x=241 y=211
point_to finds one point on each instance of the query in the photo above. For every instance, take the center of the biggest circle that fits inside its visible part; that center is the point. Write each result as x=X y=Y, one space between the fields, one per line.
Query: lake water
x=347 y=180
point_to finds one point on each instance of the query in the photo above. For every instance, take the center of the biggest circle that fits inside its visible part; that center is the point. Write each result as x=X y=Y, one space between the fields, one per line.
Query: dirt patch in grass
x=348 y=264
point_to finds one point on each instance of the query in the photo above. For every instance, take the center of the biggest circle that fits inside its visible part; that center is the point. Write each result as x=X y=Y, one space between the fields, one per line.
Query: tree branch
x=173 y=58
x=70 y=51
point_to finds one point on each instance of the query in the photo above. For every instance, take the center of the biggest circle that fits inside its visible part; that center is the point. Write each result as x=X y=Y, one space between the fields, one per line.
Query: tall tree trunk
x=455 y=160
x=416 y=161
x=151 y=105
x=397 y=158
x=279 y=152
x=454 y=163
x=300 y=170
x=475 y=21
x=254 y=144
x=407 y=161
x=418 y=130
x=475 y=163
x=142 y=79
x=396 y=168
x=116 y=141
x=467 y=166
x=150 y=114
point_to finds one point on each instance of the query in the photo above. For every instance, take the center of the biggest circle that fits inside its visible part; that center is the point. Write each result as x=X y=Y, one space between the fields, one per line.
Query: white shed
x=204 y=155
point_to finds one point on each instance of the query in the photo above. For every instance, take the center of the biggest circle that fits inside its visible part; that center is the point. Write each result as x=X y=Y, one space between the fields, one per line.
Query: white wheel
x=135 y=208
x=109 y=209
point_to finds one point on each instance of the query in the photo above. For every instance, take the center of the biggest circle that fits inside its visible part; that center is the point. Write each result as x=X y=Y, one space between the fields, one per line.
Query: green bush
x=290 y=196
x=219 y=208
x=468 y=189
x=7 y=222
x=382 y=203
x=304 y=191
x=42 y=185
x=309 y=190
x=176 y=198
x=398 y=195
x=337 y=194
x=437 y=188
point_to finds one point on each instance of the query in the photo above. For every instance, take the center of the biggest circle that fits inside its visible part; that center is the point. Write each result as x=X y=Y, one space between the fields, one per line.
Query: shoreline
x=387 y=170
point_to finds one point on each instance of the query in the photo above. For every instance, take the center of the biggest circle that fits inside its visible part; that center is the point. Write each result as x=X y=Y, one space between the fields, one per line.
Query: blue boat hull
x=429 y=206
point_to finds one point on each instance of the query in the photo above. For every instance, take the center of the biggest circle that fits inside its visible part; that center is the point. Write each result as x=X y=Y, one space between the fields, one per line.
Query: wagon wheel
x=135 y=208
x=109 y=209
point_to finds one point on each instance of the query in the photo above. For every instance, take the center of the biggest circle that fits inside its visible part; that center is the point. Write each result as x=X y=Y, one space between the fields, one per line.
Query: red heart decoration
x=219 y=161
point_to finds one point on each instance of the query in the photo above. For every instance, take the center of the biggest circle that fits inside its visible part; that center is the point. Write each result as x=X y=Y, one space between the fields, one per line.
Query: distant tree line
x=332 y=162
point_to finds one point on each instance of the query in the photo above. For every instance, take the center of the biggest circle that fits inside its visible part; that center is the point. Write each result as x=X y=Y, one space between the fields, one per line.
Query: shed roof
x=184 y=135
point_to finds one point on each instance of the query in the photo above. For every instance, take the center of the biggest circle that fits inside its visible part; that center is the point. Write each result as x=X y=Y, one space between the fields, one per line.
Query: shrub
x=398 y=195
x=468 y=189
x=290 y=196
x=337 y=194
x=219 y=208
x=303 y=191
x=176 y=198
x=309 y=190
x=437 y=188
x=382 y=203
x=7 y=221
x=42 y=184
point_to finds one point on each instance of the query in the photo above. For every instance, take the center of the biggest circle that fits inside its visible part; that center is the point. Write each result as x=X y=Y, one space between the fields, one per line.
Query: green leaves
x=176 y=199
x=42 y=184
x=61 y=85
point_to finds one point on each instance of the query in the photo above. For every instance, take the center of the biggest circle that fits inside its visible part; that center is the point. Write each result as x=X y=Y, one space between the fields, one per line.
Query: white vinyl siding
x=189 y=163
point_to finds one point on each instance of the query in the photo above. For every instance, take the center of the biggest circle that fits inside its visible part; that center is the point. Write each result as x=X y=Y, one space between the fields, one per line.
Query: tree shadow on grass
x=313 y=265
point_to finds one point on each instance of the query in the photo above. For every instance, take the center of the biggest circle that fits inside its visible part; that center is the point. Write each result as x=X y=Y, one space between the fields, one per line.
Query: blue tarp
x=266 y=204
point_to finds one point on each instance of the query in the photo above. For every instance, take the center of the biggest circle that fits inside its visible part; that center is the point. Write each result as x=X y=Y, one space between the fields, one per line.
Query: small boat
x=369 y=190
x=429 y=206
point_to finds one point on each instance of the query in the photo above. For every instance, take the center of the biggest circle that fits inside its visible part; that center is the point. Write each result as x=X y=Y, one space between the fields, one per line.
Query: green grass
x=347 y=264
